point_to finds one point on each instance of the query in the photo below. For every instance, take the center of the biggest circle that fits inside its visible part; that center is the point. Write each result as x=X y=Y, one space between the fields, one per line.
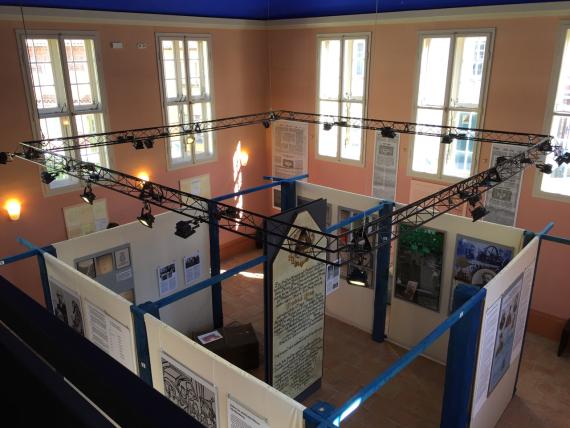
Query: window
x=451 y=87
x=343 y=69
x=558 y=183
x=187 y=94
x=65 y=93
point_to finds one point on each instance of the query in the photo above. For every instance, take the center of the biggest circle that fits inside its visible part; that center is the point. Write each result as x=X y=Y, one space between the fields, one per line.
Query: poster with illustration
x=419 y=266
x=167 y=278
x=66 y=306
x=192 y=268
x=505 y=333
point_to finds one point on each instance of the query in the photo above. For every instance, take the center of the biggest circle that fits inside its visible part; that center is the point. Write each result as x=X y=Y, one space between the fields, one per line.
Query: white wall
x=151 y=248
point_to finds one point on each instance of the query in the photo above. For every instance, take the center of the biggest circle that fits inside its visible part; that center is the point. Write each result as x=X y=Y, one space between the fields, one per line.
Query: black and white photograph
x=67 y=306
x=122 y=258
x=333 y=278
x=87 y=267
x=167 y=279
x=190 y=392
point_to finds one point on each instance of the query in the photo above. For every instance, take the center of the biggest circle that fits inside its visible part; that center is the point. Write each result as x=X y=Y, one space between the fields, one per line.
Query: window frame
x=72 y=111
x=193 y=160
x=342 y=37
x=439 y=176
x=549 y=113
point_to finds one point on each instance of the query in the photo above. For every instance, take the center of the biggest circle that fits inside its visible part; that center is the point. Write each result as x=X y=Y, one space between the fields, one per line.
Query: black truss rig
x=388 y=128
x=325 y=246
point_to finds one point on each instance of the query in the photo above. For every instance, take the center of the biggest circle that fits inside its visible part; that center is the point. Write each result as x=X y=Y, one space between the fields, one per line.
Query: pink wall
x=133 y=100
x=517 y=96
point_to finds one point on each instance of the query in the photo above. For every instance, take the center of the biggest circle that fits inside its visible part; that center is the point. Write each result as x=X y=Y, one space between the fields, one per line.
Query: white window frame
x=173 y=165
x=549 y=114
x=342 y=37
x=72 y=111
x=488 y=32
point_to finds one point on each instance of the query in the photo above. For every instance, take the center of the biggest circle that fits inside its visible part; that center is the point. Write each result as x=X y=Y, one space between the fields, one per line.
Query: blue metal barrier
x=275 y=183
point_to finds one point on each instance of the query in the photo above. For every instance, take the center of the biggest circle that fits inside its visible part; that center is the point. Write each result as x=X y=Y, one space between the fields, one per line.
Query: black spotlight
x=388 y=132
x=357 y=277
x=545 y=146
x=3 y=158
x=360 y=241
x=545 y=168
x=184 y=229
x=148 y=143
x=88 y=196
x=463 y=194
x=146 y=218
x=479 y=212
x=473 y=200
x=231 y=212
x=48 y=177
x=447 y=139
x=327 y=126
x=138 y=144
x=500 y=160
x=266 y=124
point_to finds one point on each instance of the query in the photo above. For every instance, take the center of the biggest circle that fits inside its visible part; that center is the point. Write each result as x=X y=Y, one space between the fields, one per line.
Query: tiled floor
x=414 y=397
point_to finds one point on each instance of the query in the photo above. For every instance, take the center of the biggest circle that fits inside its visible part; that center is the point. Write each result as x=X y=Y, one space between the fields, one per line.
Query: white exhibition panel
x=409 y=322
x=488 y=408
x=227 y=379
x=350 y=304
x=151 y=248
x=93 y=294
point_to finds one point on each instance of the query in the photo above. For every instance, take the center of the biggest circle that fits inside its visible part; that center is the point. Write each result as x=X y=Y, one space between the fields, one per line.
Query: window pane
x=329 y=74
x=328 y=140
x=354 y=68
x=351 y=138
x=195 y=67
x=56 y=127
x=91 y=124
x=468 y=68
x=80 y=55
x=202 y=144
x=559 y=181
x=458 y=155
x=47 y=77
x=426 y=148
x=562 y=103
x=176 y=115
x=433 y=71
x=174 y=69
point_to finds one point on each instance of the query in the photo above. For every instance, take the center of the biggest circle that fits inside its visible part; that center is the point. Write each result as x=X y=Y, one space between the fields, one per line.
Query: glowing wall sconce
x=13 y=208
x=143 y=175
x=243 y=158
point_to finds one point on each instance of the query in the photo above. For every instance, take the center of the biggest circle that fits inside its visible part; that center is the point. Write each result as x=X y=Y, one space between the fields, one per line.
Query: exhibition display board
x=430 y=262
x=93 y=311
x=215 y=392
x=340 y=304
x=156 y=261
x=501 y=339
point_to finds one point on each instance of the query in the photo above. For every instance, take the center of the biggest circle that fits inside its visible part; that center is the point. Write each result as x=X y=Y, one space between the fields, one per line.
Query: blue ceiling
x=260 y=9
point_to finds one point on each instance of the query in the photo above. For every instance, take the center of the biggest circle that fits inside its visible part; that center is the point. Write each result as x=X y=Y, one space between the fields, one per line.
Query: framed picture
x=104 y=264
x=122 y=258
x=418 y=268
x=87 y=267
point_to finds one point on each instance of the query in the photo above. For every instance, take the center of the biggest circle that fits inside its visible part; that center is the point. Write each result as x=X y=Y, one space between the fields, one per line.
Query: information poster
x=110 y=335
x=290 y=150
x=502 y=200
x=505 y=336
x=194 y=395
x=298 y=289
x=240 y=416
x=66 y=306
x=526 y=292
x=333 y=278
x=485 y=361
x=385 y=167
x=167 y=279
x=83 y=219
x=192 y=268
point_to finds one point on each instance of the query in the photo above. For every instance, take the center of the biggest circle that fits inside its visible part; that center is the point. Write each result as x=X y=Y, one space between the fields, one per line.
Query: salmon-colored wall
x=131 y=81
x=523 y=57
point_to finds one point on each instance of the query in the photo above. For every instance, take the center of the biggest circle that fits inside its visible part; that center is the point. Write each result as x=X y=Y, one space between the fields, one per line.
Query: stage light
x=500 y=160
x=447 y=139
x=545 y=168
x=357 y=277
x=148 y=143
x=545 y=146
x=184 y=229
x=479 y=212
x=463 y=194
x=13 y=207
x=360 y=241
x=3 y=158
x=143 y=175
x=473 y=200
x=388 y=132
x=138 y=144
x=266 y=124
x=146 y=218
x=563 y=158
x=88 y=196
x=48 y=177
x=231 y=212
x=327 y=126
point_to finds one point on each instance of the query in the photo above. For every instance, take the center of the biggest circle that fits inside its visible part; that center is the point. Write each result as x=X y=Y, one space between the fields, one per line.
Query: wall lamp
x=13 y=207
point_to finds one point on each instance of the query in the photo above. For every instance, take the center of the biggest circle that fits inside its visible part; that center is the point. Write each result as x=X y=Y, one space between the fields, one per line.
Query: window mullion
x=340 y=97
x=446 y=100
x=189 y=98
